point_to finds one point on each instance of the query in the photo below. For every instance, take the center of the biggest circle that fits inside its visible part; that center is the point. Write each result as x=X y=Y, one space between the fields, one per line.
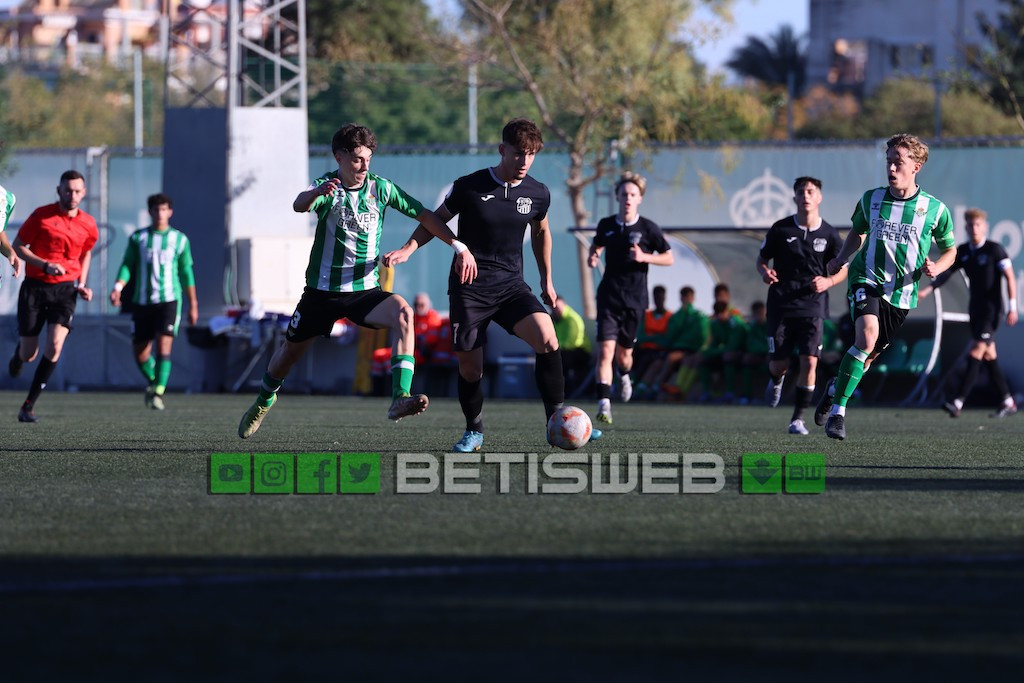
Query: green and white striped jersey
x=346 y=248
x=899 y=236
x=160 y=262
x=7 y=202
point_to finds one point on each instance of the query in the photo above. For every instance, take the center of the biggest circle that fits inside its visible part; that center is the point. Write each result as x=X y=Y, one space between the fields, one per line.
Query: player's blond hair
x=917 y=149
x=974 y=213
x=630 y=177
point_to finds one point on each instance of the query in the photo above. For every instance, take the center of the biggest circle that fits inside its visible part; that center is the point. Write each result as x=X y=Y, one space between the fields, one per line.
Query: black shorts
x=318 y=310
x=985 y=322
x=43 y=302
x=472 y=311
x=787 y=334
x=866 y=300
x=619 y=324
x=152 y=320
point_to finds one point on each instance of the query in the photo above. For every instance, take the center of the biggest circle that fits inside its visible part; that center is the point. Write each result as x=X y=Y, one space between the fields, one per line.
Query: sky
x=752 y=17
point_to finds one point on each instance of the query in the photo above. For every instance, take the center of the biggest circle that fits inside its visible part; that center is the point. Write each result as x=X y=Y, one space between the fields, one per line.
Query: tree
x=596 y=70
x=370 y=30
x=908 y=104
x=1002 y=64
x=780 y=65
x=782 y=62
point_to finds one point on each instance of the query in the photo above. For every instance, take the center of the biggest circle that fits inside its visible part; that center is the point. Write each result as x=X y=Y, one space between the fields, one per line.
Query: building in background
x=855 y=45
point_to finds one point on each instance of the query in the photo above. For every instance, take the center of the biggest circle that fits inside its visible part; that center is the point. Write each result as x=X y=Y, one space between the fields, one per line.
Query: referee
x=56 y=244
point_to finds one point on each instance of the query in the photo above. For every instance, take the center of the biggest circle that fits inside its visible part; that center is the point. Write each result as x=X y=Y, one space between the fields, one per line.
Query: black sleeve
x=599 y=240
x=454 y=199
x=768 y=245
x=835 y=245
x=657 y=239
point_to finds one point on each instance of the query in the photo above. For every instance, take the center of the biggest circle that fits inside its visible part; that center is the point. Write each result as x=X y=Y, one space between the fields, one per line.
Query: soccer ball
x=569 y=428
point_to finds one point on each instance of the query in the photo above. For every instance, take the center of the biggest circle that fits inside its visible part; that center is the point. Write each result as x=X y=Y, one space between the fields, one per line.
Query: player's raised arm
x=541 y=243
x=304 y=201
x=854 y=241
x=934 y=268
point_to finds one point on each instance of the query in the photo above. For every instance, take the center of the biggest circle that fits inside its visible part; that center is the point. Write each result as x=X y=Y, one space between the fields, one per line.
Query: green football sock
x=148 y=369
x=268 y=389
x=851 y=369
x=402 y=368
x=163 y=372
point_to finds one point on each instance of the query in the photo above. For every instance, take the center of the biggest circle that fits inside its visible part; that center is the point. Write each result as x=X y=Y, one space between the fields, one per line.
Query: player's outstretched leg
x=403 y=403
x=471 y=399
x=253 y=417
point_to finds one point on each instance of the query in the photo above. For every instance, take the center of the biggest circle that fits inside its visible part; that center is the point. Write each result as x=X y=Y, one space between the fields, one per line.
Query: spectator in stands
x=652 y=341
x=724 y=351
x=755 y=357
x=687 y=334
x=426 y=323
x=722 y=293
x=574 y=344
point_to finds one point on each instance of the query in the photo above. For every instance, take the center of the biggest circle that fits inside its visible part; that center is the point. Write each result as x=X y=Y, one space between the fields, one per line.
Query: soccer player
x=986 y=265
x=495 y=205
x=159 y=259
x=887 y=251
x=56 y=242
x=632 y=243
x=798 y=247
x=7 y=201
x=342 y=279
x=573 y=344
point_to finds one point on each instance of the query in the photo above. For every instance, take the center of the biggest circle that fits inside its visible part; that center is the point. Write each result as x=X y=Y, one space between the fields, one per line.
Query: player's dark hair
x=757 y=306
x=523 y=134
x=352 y=135
x=803 y=180
x=721 y=287
x=71 y=175
x=155 y=200
x=686 y=291
x=659 y=290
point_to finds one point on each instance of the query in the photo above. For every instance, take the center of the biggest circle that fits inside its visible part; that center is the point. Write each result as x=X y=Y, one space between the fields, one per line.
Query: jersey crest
x=524 y=205
x=820 y=243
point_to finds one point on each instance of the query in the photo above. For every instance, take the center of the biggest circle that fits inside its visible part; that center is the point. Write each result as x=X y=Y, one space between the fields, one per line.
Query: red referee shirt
x=56 y=237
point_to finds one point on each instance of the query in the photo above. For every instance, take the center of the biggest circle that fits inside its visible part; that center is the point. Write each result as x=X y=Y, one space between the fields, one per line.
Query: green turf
x=915 y=551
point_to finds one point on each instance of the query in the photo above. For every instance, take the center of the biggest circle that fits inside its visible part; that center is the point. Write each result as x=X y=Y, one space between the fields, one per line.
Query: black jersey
x=984 y=268
x=624 y=284
x=493 y=218
x=798 y=256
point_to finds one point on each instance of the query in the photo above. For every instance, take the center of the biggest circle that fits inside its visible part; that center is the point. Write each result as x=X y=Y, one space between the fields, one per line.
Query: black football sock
x=550 y=381
x=604 y=390
x=970 y=377
x=998 y=378
x=40 y=379
x=803 y=399
x=471 y=398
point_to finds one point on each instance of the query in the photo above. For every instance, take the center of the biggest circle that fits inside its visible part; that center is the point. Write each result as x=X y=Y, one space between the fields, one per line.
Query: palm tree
x=780 y=62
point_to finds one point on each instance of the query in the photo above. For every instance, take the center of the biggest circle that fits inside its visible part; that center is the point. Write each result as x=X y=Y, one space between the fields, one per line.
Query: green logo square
x=273 y=473
x=230 y=472
x=805 y=473
x=761 y=473
x=359 y=472
x=316 y=473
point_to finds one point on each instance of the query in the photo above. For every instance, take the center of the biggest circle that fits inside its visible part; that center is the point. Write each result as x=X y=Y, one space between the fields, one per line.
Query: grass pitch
x=112 y=544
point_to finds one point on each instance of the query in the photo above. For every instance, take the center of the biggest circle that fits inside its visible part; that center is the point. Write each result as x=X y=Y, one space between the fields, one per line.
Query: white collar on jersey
x=807 y=227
